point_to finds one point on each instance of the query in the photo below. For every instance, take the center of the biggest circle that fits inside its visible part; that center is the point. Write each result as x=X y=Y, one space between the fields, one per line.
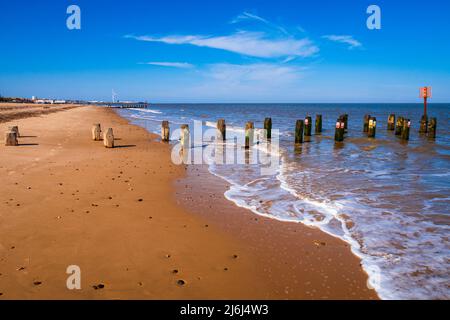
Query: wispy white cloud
x=254 y=44
x=182 y=65
x=246 y=16
x=352 y=42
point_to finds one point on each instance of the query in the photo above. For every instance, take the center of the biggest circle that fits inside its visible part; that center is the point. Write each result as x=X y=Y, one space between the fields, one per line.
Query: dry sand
x=127 y=219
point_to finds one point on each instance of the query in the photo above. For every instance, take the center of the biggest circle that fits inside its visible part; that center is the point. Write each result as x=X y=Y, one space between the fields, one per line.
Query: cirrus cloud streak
x=254 y=44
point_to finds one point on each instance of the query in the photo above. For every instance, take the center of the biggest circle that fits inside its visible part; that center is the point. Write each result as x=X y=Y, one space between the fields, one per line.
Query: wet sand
x=127 y=219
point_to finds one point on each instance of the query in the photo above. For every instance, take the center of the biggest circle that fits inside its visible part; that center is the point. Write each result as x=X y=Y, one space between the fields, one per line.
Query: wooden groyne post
x=249 y=133
x=405 y=129
x=184 y=136
x=11 y=139
x=299 y=131
x=432 y=128
x=423 y=124
x=165 y=131
x=108 y=138
x=366 y=123
x=268 y=128
x=391 y=122
x=96 y=132
x=339 y=130
x=308 y=126
x=15 y=129
x=318 y=127
x=345 y=119
x=399 y=126
x=372 y=127
x=221 y=129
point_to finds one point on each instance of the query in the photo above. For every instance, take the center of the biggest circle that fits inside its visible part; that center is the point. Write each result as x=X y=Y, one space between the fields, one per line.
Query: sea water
x=389 y=199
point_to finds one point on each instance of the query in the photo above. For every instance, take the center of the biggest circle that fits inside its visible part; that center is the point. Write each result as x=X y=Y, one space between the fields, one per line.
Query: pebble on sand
x=181 y=282
x=98 y=286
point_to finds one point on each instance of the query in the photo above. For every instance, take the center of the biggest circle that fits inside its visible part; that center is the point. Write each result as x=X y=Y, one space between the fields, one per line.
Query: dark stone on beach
x=168 y=256
x=175 y=271
x=37 y=283
x=225 y=269
x=181 y=282
x=235 y=256
x=140 y=200
x=98 y=286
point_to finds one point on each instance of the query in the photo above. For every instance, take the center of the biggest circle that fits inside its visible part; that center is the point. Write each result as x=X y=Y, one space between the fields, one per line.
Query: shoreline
x=215 y=259
x=306 y=257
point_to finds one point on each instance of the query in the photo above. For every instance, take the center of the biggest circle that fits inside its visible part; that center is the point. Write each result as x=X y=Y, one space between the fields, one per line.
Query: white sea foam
x=395 y=249
x=146 y=110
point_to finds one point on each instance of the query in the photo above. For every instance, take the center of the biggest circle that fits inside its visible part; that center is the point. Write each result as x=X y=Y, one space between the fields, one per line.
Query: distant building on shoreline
x=47 y=101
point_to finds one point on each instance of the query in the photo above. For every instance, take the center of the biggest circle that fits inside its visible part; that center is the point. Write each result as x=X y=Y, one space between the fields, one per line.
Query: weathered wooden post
x=432 y=128
x=366 y=123
x=405 y=129
x=339 y=131
x=318 y=128
x=221 y=130
x=184 y=136
x=372 y=127
x=299 y=131
x=11 y=139
x=15 y=129
x=249 y=133
x=165 y=131
x=268 y=128
x=108 y=138
x=345 y=119
x=308 y=126
x=423 y=124
x=399 y=126
x=391 y=122
x=96 y=132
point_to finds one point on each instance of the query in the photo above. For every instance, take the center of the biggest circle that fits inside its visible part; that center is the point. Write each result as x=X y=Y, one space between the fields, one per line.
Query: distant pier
x=124 y=105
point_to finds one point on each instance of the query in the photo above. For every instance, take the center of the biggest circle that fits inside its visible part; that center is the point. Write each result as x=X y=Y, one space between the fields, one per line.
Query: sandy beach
x=140 y=227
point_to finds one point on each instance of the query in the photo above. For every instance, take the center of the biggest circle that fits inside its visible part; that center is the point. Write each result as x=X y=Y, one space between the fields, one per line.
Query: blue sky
x=226 y=51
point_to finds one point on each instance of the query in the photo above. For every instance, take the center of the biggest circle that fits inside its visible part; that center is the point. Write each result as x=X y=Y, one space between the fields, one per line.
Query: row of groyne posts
x=12 y=136
x=303 y=129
